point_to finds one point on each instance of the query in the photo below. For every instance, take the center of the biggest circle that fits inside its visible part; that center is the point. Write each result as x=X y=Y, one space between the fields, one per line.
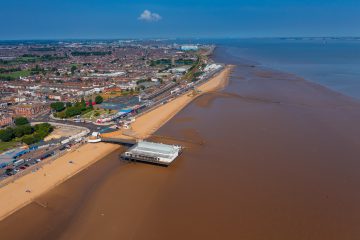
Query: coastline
x=14 y=196
x=151 y=121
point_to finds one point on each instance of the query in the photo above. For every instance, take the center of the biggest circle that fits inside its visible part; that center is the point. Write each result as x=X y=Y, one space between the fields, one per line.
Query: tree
x=6 y=135
x=99 y=99
x=73 y=69
x=21 y=121
x=22 y=130
x=57 y=106
x=29 y=139
x=60 y=115
x=19 y=132
x=27 y=129
x=72 y=111
x=83 y=104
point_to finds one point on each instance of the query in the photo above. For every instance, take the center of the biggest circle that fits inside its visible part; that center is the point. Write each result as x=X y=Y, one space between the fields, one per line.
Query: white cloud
x=149 y=16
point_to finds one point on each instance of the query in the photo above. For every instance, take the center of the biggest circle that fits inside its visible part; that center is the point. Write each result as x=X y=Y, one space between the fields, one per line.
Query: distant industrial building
x=189 y=48
x=151 y=152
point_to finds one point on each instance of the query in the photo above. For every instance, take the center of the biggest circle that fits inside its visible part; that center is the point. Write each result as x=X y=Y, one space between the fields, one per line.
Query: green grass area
x=184 y=62
x=14 y=75
x=95 y=114
x=17 y=74
x=28 y=58
x=160 y=62
x=191 y=74
x=4 y=146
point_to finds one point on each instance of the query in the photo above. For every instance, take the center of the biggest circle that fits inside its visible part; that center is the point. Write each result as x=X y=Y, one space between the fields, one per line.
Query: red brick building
x=31 y=110
x=5 y=120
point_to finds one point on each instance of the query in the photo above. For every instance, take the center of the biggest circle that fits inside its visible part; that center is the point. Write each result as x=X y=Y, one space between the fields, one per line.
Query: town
x=56 y=95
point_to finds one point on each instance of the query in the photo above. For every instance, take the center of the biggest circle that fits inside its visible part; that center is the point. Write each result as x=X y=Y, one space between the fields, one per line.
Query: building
x=10 y=156
x=151 y=152
x=5 y=120
x=56 y=97
x=31 y=110
x=127 y=86
x=189 y=48
x=212 y=67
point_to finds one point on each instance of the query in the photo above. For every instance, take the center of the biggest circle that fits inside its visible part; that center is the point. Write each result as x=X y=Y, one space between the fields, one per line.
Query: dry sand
x=15 y=196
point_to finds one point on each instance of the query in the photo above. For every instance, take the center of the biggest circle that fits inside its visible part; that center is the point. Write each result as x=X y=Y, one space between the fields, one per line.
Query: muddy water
x=269 y=157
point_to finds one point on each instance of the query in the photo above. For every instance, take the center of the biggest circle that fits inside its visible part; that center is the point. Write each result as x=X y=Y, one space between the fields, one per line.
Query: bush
x=29 y=139
x=99 y=99
x=6 y=135
x=27 y=129
x=43 y=127
x=41 y=131
x=21 y=121
x=57 y=106
x=72 y=111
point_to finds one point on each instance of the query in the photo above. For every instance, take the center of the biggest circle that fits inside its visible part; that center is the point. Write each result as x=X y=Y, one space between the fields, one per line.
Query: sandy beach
x=15 y=195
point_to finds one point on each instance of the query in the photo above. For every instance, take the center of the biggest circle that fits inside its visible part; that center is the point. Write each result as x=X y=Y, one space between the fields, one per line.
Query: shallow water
x=334 y=63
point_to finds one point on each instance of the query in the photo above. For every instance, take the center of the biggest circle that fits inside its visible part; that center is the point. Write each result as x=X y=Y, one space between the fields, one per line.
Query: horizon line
x=168 y=38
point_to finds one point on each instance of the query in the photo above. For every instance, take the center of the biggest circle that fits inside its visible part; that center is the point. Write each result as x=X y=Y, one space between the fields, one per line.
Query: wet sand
x=279 y=159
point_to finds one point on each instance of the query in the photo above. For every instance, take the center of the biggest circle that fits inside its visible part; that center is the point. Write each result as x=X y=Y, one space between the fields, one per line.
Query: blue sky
x=59 y=19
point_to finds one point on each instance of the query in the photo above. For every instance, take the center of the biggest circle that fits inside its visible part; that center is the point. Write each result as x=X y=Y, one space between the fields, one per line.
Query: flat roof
x=155 y=150
x=157 y=147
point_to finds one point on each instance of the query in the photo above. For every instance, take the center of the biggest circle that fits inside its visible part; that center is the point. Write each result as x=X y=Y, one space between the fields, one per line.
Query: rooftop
x=162 y=152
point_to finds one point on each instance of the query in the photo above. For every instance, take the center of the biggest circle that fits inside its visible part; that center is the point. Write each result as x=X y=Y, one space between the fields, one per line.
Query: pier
x=122 y=141
x=142 y=151
x=154 y=153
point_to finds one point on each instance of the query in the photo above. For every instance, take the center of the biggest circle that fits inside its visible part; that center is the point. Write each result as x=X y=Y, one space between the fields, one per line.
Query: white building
x=189 y=48
x=157 y=153
x=212 y=67
x=129 y=85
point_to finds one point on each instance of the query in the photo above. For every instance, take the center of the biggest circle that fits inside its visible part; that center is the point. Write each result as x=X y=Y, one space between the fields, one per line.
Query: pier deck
x=155 y=153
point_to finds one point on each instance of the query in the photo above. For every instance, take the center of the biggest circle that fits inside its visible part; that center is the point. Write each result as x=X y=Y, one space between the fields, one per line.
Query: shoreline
x=14 y=196
x=150 y=122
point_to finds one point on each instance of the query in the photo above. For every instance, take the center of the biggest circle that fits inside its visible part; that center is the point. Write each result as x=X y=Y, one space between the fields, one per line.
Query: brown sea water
x=269 y=157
